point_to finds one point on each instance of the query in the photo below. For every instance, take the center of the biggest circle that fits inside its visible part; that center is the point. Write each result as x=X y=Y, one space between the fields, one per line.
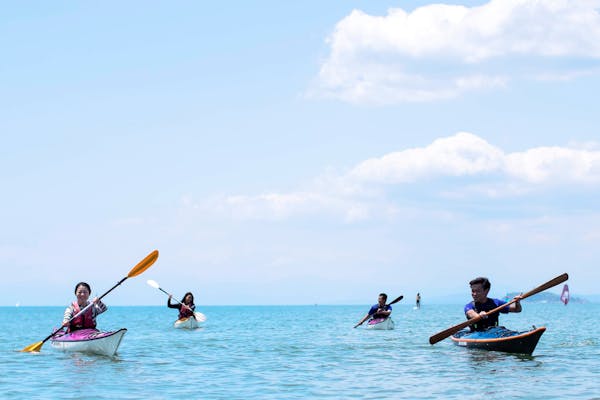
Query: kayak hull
x=90 y=341
x=186 y=323
x=499 y=338
x=380 y=324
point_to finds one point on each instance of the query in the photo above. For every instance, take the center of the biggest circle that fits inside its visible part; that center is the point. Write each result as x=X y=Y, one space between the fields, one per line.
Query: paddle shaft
x=177 y=301
x=396 y=300
x=452 y=330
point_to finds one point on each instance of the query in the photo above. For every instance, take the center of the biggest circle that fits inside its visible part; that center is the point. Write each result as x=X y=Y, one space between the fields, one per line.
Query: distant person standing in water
x=418 y=300
x=379 y=310
x=481 y=304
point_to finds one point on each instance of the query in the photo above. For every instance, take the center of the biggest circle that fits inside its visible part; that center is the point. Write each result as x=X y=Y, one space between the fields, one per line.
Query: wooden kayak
x=89 y=341
x=380 y=323
x=498 y=338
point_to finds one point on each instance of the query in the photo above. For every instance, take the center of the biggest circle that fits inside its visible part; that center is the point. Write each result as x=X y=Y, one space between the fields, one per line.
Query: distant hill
x=546 y=297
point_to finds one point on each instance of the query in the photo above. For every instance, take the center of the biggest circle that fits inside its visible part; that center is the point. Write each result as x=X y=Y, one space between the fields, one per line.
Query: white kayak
x=190 y=322
x=380 y=323
x=89 y=341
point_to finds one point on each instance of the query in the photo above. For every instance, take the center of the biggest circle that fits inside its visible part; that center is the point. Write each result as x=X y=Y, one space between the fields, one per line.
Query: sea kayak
x=186 y=323
x=498 y=338
x=89 y=341
x=380 y=323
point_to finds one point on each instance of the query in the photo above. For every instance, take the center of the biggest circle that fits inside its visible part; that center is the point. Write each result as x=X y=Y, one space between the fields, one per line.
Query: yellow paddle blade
x=144 y=264
x=36 y=347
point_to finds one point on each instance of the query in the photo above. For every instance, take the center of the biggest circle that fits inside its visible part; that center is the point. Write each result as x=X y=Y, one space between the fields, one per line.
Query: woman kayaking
x=87 y=320
x=186 y=307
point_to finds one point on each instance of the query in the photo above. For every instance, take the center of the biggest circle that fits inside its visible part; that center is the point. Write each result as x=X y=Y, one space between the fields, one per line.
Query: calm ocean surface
x=293 y=352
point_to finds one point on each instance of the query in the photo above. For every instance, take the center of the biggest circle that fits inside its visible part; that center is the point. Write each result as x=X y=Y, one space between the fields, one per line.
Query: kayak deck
x=186 y=323
x=380 y=323
x=89 y=341
x=499 y=338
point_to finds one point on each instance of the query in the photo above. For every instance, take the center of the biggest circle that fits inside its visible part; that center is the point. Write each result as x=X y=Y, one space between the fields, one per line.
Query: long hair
x=186 y=295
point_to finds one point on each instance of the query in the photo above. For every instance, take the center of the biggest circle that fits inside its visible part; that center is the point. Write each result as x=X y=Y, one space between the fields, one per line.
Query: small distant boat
x=380 y=323
x=89 y=341
x=498 y=338
x=186 y=323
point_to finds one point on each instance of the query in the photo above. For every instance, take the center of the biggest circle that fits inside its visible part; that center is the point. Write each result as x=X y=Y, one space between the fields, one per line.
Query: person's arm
x=516 y=306
x=67 y=316
x=470 y=312
x=172 y=305
x=383 y=313
x=366 y=317
x=99 y=307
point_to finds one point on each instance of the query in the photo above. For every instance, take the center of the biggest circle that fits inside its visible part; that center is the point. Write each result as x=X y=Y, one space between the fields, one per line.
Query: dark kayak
x=498 y=338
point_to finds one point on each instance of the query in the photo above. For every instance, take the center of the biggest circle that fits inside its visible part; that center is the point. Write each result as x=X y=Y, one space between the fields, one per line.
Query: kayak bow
x=498 y=338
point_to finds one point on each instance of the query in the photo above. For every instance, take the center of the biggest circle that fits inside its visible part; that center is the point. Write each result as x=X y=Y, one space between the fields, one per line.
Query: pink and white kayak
x=89 y=341
x=380 y=323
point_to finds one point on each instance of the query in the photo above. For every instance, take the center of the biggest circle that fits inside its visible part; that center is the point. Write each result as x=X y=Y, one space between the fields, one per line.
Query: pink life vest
x=84 y=321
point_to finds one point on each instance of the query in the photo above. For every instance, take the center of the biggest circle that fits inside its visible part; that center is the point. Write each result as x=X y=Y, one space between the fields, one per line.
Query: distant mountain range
x=538 y=298
x=547 y=297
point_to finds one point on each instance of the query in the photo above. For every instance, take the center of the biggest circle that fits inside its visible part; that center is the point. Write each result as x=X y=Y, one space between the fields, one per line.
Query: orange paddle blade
x=144 y=264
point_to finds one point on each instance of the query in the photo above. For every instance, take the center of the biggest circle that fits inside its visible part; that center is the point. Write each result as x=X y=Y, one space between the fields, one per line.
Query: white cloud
x=362 y=193
x=465 y=154
x=555 y=165
x=440 y=51
x=458 y=155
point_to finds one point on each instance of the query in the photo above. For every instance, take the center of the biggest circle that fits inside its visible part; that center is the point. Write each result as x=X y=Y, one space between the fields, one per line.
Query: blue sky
x=298 y=152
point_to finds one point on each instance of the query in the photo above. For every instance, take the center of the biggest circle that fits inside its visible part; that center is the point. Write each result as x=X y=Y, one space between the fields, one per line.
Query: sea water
x=297 y=352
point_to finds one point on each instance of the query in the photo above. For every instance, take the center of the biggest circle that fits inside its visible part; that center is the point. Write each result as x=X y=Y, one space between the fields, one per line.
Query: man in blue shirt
x=481 y=304
x=379 y=310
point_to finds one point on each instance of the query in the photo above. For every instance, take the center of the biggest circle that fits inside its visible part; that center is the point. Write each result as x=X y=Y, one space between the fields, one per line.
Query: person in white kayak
x=86 y=320
x=187 y=306
x=379 y=310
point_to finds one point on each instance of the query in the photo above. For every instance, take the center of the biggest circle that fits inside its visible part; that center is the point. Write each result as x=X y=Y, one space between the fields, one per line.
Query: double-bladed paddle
x=397 y=299
x=135 y=271
x=452 y=330
x=198 y=315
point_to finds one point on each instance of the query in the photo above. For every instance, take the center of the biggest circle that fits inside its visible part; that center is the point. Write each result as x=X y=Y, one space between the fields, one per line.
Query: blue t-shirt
x=374 y=309
x=491 y=320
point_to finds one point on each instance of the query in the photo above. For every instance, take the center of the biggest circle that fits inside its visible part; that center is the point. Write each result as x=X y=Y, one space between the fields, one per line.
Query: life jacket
x=84 y=321
x=491 y=320
x=185 y=312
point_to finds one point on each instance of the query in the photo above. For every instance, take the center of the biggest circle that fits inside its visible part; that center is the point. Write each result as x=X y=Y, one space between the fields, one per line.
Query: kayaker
x=481 y=304
x=87 y=320
x=379 y=310
x=186 y=308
